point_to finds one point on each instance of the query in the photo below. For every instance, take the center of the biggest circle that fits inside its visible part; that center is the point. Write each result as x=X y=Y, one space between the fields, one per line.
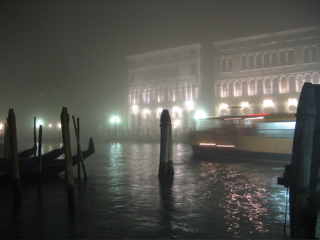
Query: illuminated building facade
x=167 y=79
x=265 y=73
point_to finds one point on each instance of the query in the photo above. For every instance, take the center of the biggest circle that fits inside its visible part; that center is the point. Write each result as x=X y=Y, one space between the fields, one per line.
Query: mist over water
x=123 y=198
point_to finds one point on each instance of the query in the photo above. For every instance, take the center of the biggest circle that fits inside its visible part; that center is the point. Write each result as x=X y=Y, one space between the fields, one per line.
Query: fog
x=71 y=54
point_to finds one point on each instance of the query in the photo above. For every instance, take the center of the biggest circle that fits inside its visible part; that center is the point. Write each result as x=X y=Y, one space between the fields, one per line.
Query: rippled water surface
x=123 y=198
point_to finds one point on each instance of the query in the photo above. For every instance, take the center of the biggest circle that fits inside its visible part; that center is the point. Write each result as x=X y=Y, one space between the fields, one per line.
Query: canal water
x=209 y=198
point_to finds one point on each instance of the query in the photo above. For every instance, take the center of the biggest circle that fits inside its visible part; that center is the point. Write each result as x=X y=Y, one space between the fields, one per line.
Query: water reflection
x=245 y=196
x=123 y=198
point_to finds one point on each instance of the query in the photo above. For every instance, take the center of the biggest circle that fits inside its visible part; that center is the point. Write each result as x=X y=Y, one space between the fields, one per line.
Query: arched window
x=259 y=87
x=267 y=86
x=266 y=60
x=282 y=58
x=243 y=63
x=230 y=88
x=218 y=89
x=315 y=78
x=259 y=60
x=300 y=82
x=244 y=88
x=306 y=55
x=314 y=54
x=252 y=88
x=251 y=62
x=274 y=59
x=275 y=84
x=283 y=85
x=237 y=89
x=223 y=65
x=291 y=60
x=224 y=89
x=229 y=65
x=292 y=84
x=307 y=78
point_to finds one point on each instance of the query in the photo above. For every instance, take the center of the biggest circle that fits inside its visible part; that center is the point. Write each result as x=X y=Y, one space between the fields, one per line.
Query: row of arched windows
x=268 y=85
x=270 y=59
x=156 y=95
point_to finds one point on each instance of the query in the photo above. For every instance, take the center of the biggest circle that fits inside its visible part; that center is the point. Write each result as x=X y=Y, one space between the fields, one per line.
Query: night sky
x=72 y=53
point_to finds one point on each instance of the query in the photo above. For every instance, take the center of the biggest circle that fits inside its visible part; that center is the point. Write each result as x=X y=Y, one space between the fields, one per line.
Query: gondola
x=50 y=162
x=28 y=153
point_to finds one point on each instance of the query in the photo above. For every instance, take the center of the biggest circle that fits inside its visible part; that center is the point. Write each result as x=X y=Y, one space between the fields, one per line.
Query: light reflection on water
x=123 y=198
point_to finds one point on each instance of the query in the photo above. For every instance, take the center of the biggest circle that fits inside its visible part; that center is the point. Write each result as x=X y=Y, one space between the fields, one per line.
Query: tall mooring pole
x=304 y=177
x=67 y=149
x=166 y=165
x=17 y=195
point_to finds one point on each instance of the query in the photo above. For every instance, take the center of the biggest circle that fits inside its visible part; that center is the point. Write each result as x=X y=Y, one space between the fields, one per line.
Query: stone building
x=167 y=79
x=265 y=73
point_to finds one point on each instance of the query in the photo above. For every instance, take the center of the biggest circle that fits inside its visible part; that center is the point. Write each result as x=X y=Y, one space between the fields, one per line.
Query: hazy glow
x=135 y=108
x=226 y=146
x=293 y=102
x=146 y=111
x=268 y=103
x=1 y=126
x=114 y=119
x=207 y=144
x=176 y=123
x=59 y=125
x=39 y=122
x=189 y=105
x=244 y=104
x=200 y=114
x=223 y=106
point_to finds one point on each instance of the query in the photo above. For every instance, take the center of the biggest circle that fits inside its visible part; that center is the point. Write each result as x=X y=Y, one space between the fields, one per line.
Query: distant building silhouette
x=265 y=73
x=167 y=79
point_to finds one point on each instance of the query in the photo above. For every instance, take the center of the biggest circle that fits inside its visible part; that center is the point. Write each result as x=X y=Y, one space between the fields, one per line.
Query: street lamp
x=114 y=120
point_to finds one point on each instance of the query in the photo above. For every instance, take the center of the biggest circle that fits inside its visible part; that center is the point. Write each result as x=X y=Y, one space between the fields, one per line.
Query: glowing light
x=59 y=125
x=1 y=126
x=200 y=114
x=50 y=125
x=244 y=104
x=189 y=105
x=268 y=103
x=226 y=146
x=176 y=123
x=223 y=106
x=114 y=119
x=207 y=144
x=39 y=122
x=135 y=108
x=146 y=111
x=293 y=102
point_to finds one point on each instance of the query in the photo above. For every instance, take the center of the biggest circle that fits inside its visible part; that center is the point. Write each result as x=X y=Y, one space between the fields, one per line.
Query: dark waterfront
x=122 y=198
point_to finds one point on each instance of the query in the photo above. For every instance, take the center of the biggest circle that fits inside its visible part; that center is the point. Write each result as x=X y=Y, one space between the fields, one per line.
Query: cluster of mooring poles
x=12 y=150
x=302 y=177
x=166 y=165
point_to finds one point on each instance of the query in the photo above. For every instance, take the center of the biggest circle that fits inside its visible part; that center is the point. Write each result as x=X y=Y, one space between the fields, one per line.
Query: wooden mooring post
x=79 y=151
x=17 y=195
x=67 y=150
x=166 y=164
x=302 y=176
